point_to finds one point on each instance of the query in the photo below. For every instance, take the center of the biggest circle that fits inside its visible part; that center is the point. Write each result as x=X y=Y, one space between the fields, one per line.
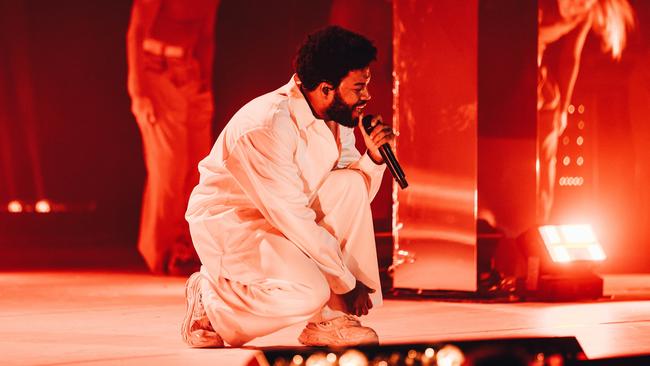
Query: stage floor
x=107 y=318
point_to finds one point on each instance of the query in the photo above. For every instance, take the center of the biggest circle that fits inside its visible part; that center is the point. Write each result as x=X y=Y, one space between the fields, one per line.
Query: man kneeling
x=281 y=216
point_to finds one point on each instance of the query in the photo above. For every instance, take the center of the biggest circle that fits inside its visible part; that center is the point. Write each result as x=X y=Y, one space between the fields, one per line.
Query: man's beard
x=341 y=113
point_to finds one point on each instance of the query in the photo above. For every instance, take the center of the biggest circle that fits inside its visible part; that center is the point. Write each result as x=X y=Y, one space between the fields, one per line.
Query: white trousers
x=294 y=290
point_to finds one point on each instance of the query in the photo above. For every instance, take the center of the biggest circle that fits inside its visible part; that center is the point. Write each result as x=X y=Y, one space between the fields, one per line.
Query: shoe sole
x=190 y=303
x=317 y=339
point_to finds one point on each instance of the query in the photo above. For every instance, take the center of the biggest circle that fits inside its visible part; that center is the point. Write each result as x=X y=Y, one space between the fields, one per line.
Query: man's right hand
x=358 y=300
x=142 y=109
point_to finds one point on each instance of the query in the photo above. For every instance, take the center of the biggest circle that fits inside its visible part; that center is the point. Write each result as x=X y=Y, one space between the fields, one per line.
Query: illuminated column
x=435 y=98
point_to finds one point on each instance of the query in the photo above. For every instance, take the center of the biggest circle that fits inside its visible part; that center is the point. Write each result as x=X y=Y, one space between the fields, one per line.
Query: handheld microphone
x=388 y=155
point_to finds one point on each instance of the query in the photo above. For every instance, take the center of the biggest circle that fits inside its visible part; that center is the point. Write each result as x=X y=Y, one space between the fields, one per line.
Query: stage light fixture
x=568 y=243
x=15 y=206
x=559 y=262
x=450 y=355
x=43 y=206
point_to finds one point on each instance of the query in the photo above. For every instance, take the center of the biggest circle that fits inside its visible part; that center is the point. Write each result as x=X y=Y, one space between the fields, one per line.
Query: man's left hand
x=380 y=134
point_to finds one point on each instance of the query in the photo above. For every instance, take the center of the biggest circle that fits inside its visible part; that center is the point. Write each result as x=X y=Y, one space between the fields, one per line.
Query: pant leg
x=289 y=288
x=293 y=290
x=343 y=208
x=165 y=145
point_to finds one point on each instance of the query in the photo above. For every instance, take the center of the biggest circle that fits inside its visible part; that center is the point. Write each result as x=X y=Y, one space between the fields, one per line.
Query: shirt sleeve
x=262 y=162
x=352 y=159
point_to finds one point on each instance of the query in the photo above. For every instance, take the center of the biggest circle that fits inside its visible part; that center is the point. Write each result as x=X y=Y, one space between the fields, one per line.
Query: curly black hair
x=329 y=54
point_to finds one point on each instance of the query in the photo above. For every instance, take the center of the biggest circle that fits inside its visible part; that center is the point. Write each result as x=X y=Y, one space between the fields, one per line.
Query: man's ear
x=326 y=89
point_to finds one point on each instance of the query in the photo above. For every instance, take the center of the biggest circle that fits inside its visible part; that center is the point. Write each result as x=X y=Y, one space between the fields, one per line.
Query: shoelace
x=347 y=318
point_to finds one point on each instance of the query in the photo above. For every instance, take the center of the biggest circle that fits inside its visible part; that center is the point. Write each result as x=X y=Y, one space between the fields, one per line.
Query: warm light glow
x=317 y=359
x=331 y=357
x=567 y=243
x=450 y=356
x=571 y=109
x=571 y=181
x=429 y=352
x=580 y=160
x=581 y=109
x=353 y=358
x=581 y=125
x=580 y=140
x=43 y=206
x=15 y=207
x=297 y=360
x=566 y=160
x=565 y=140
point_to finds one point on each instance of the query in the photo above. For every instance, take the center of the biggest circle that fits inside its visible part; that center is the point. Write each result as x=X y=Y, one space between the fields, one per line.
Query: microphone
x=388 y=155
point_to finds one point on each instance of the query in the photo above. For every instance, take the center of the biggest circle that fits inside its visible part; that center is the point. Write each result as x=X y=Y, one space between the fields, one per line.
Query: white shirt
x=263 y=173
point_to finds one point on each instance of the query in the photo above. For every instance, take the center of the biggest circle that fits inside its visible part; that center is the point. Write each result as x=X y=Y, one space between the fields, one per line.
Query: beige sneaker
x=196 y=329
x=342 y=331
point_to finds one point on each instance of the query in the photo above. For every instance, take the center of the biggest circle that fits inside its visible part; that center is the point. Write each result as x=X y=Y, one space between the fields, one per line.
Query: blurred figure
x=563 y=28
x=170 y=46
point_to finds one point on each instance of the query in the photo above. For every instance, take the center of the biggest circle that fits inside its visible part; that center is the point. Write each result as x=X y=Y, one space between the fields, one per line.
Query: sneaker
x=196 y=329
x=342 y=331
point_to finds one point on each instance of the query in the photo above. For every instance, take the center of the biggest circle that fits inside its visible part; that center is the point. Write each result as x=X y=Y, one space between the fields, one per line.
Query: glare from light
x=429 y=352
x=331 y=357
x=565 y=140
x=43 y=206
x=581 y=125
x=450 y=355
x=566 y=161
x=567 y=243
x=550 y=235
x=353 y=357
x=580 y=140
x=597 y=252
x=297 y=360
x=560 y=254
x=578 y=233
x=15 y=206
x=571 y=109
x=317 y=359
x=580 y=160
x=581 y=109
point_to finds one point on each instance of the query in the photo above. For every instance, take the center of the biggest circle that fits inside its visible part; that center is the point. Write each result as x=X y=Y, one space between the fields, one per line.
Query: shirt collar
x=298 y=106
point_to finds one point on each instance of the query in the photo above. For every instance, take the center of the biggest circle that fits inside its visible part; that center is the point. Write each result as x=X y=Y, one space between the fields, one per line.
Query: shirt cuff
x=369 y=166
x=343 y=284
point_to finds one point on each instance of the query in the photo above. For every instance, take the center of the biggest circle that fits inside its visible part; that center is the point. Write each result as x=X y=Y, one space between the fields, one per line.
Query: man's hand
x=143 y=111
x=379 y=135
x=358 y=301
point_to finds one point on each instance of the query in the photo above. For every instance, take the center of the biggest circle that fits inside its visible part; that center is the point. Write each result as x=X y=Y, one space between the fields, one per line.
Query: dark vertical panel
x=507 y=113
x=378 y=26
x=256 y=42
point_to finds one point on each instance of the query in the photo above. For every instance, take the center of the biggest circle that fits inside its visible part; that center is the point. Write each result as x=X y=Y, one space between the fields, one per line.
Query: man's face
x=350 y=98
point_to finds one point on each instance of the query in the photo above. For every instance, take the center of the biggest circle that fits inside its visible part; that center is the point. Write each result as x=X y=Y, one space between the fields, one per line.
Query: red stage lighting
x=43 y=206
x=559 y=262
x=570 y=243
x=15 y=206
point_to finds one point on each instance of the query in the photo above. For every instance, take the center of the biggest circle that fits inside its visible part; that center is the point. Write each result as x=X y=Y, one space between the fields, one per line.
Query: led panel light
x=570 y=243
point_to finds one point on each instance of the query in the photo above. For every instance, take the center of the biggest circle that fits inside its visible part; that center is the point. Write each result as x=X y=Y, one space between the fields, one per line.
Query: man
x=563 y=28
x=281 y=216
x=170 y=51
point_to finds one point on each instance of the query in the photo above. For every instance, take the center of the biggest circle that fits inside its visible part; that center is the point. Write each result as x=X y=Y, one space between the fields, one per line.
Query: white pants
x=294 y=290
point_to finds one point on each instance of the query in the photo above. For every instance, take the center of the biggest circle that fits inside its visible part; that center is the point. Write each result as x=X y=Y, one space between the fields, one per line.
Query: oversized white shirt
x=262 y=175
